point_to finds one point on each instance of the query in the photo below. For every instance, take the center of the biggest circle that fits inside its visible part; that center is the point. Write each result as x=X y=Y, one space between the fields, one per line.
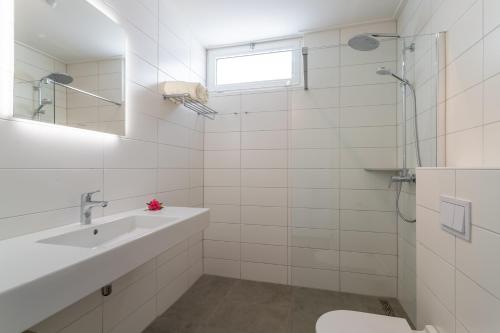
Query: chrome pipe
x=305 y=56
x=84 y=92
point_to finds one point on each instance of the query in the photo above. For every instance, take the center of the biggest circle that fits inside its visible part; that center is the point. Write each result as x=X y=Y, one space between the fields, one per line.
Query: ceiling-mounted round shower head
x=59 y=78
x=384 y=71
x=363 y=42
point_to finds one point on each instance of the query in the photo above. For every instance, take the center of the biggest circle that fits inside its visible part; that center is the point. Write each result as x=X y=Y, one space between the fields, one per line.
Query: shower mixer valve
x=404 y=177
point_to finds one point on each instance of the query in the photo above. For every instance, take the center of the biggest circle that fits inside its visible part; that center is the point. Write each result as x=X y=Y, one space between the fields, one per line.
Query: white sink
x=95 y=236
x=36 y=267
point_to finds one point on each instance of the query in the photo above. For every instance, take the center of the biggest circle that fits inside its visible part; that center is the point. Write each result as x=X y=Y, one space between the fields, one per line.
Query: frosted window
x=275 y=66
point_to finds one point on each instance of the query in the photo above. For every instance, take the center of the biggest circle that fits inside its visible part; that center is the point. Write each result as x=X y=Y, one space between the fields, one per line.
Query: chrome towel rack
x=190 y=103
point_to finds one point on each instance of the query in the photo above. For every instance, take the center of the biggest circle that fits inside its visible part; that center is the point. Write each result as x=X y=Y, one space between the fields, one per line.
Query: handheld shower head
x=386 y=71
x=383 y=71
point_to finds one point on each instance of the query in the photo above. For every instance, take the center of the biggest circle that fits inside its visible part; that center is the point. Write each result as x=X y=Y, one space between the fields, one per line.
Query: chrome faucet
x=86 y=205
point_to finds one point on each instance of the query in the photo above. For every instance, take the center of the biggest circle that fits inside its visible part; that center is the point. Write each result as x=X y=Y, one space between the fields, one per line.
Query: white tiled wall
x=466 y=121
x=458 y=281
x=472 y=68
x=30 y=66
x=104 y=78
x=137 y=297
x=44 y=168
x=290 y=200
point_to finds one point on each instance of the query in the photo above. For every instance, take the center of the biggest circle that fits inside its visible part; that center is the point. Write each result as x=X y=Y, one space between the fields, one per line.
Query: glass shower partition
x=425 y=70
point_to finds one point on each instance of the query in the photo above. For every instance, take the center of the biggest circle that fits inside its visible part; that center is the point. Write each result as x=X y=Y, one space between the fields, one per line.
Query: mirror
x=69 y=65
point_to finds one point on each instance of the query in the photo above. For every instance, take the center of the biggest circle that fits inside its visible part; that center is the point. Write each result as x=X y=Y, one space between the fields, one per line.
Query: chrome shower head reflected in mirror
x=69 y=65
x=62 y=78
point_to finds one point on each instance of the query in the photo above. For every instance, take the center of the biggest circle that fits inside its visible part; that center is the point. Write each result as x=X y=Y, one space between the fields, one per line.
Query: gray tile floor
x=222 y=305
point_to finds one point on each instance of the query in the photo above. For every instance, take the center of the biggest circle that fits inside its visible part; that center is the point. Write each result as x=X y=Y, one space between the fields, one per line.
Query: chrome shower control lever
x=404 y=177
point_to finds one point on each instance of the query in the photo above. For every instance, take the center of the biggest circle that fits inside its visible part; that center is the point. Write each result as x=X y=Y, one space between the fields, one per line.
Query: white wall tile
x=380 y=94
x=313 y=158
x=270 y=235
x=314 y=198
x=222 y=177
x=221 y=250
x=259 y=196
x=264 y=159
x=368 y=221
x=222 y=141
x=430 y=234
x=491 y=12
x=264 y=140
x=477 y=259
x=465 y=71
x=264 y=177
x=313 y=178
x=314 y=258
x=264 y=215
x=314 y=218
x=259 y=121
x=324 y=57
x=380 y=115
x=368 y=263
x=367 y=284
x=379 y=200
x=264 y=272
x=368 y=136
x=224 y=213
x=313 y=138
x=465 y=32
x=476 y=308
x=260 y=253
x=432 y=312
x=433 y=184
x=222 y=195
x=368 y=242
x=45 y=189
x=438 y=276
x=314 y=238
x=267 y=101
x=315 y=278
x=221 y=267
x=222 y=159
x=474 y=185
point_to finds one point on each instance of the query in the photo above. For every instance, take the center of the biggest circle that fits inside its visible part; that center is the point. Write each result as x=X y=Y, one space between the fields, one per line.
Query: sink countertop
x=38 y=279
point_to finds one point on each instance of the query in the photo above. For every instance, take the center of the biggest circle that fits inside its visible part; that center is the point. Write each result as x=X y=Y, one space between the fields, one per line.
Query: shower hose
x=417 y=151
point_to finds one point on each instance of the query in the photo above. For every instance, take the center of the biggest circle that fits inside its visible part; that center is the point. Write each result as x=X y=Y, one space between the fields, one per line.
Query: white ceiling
x=219 y=22
x=73 y=31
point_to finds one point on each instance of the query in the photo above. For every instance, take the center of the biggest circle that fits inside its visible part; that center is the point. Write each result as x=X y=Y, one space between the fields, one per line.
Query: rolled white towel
x=195 y=90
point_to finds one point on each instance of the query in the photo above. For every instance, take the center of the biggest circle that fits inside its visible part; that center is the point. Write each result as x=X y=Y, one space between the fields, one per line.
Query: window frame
x=293 y=45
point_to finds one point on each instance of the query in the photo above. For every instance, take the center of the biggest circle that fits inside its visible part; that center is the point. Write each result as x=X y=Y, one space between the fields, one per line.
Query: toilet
x=342 y=321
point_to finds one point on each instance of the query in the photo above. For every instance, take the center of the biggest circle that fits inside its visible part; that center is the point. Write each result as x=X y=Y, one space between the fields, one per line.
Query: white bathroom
x=300 y=166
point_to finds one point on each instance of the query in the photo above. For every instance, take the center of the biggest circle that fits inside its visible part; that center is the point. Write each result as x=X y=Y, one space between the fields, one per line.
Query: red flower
x=154 y=205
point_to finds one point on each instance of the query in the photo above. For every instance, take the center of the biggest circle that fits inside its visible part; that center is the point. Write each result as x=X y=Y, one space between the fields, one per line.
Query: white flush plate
x=455 y=216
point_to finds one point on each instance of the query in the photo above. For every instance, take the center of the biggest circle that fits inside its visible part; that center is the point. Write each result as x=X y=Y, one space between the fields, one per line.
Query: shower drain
x=387 y=308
